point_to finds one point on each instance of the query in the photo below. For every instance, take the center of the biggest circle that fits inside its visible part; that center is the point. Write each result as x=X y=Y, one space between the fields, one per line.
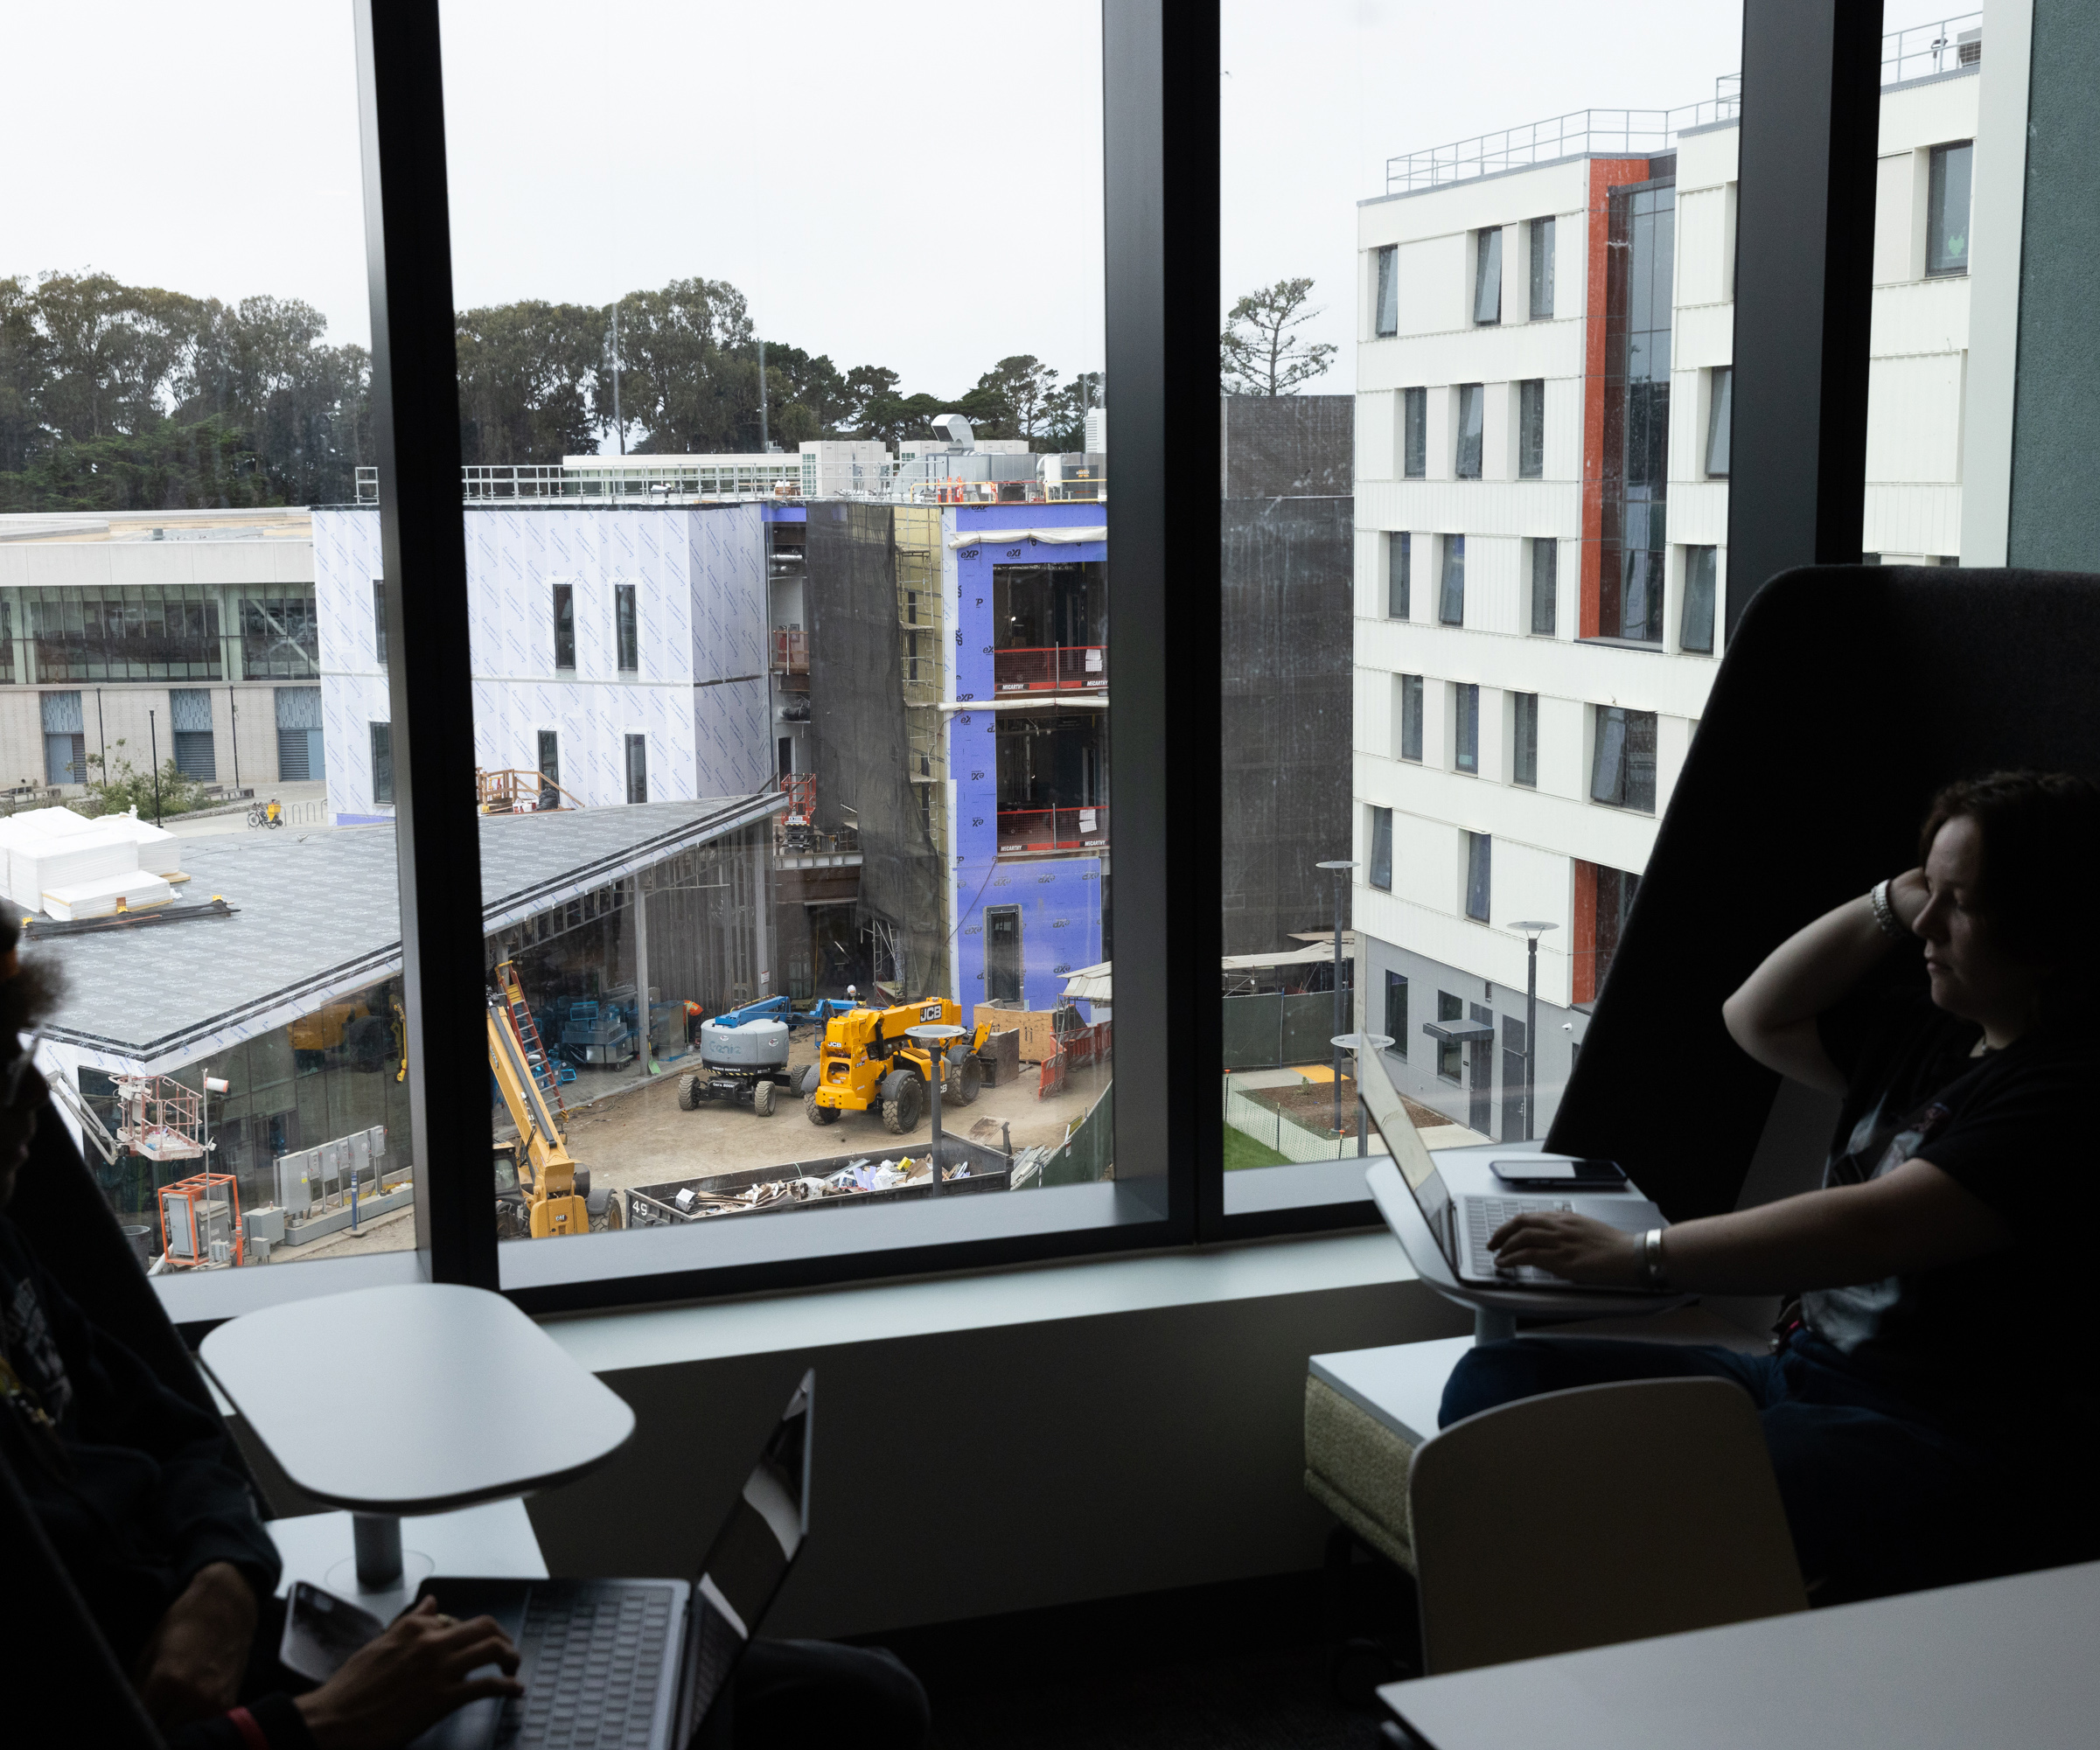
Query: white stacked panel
x=160 y=850
x=37 y=867
x=138 y=890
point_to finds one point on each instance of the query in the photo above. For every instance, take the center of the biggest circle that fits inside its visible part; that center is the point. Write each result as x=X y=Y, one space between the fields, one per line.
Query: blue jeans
x=1881 y=1496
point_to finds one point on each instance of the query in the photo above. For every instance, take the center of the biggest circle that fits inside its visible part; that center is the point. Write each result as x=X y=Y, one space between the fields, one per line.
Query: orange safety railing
x=1055 y=668
x=1024 y=831
x=791 y=651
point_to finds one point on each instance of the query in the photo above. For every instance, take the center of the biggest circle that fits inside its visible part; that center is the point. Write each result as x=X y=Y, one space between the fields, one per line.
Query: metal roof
x=317 y=916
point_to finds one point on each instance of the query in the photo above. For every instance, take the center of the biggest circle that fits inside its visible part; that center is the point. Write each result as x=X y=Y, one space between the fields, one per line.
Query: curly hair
x=2040 y=833
x=28 y=998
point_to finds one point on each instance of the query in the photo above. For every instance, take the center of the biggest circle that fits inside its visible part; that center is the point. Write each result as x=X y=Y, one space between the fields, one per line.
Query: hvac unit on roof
x=1968 y=47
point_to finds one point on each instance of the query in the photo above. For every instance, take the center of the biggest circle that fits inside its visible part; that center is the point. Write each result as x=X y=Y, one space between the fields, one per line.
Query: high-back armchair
x=1848 y=696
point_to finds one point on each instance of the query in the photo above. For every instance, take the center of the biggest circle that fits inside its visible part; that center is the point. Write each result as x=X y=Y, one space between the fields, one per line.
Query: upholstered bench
x=1366 y=1410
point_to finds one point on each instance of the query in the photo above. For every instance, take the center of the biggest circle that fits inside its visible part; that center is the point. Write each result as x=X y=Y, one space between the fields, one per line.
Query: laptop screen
x=1391 y=1118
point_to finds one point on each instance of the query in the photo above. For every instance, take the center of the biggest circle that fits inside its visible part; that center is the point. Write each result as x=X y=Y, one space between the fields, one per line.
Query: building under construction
x=292 y=999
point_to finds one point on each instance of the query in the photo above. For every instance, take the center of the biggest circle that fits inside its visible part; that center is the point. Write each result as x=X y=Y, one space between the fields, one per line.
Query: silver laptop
x=1461 y=1225
x=637 y=1665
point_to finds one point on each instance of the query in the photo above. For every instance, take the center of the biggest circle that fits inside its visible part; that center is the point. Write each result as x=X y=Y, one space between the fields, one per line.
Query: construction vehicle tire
x=615 y=1218
x=762 y=1099
x=819 y=1114
x=901 y=1100
x=688 y=1093
x=809 y=1080
x=966 y=1079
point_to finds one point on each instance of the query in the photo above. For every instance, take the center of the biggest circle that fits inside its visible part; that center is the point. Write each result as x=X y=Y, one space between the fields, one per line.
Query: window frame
x=1531 y=428
x=1386 y=291
x=1546 y=547
x=1524 y=740
x=1411 y=688
x=1380 y=860
x=1624 y=790
x=1465 y=727
x=1938 y=266
x=1451 y=582
x=1414 y=433
x=627 y=629
x=1540 y=270
x=1469 y=432
x=1805 y=153
x=1720 y=418
x=1399 y=574
x=1487 y=272
x=1697 y=605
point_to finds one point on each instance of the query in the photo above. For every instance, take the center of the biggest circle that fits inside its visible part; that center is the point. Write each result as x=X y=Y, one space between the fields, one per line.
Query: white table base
x=493 y=1541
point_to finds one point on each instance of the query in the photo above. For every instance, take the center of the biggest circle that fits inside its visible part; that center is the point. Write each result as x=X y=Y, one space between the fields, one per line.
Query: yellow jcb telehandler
x=866 y=1063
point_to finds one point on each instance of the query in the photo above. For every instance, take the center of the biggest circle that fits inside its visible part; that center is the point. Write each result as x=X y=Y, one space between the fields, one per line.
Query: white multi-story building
x=1543 y=376
x=618 y=650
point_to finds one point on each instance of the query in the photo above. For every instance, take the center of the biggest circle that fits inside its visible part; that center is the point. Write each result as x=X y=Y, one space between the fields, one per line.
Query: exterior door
x=299 y=756
x=1480 y=1077
x=1002 y=953
x=1513 y=1128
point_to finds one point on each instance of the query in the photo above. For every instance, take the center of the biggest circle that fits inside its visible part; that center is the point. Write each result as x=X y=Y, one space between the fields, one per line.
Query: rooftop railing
x=1921 y=51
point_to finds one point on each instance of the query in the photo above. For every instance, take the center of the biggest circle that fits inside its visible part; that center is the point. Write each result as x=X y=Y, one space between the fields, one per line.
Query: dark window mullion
x=415 y=432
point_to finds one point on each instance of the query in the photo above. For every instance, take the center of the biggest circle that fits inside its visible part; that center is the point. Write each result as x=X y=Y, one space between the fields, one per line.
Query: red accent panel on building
x=1605 y=174
x=1585 y=967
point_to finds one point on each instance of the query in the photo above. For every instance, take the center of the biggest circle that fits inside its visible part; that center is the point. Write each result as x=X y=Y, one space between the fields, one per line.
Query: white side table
x=416 y=1399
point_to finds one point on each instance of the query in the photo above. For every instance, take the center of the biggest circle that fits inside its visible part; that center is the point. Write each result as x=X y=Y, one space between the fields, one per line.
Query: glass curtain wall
x=817 y=620
x=229 y=1050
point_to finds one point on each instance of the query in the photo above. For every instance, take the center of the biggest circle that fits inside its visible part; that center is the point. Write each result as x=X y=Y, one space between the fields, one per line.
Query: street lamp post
x=934 y=1040
x=1340 y=873
x=1356 y=1044
x=1534 y=929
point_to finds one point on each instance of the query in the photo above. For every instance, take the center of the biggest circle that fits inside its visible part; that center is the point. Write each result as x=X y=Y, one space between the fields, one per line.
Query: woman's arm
x=1916 y=1218
x=1772 y=1015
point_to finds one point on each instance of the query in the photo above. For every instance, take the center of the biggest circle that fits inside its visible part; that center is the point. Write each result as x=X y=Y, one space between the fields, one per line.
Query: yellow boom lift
x=551 y=1186
x=868 y=1063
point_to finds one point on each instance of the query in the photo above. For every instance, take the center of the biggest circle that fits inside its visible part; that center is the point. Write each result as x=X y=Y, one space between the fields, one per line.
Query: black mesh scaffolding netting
x=1284 y=599
x=858 y=720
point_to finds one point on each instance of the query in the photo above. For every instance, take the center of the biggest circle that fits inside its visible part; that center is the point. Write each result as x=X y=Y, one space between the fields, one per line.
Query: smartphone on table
x=1545 y=1173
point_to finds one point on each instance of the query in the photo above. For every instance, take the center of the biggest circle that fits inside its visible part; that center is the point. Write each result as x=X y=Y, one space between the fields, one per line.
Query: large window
x=379 y=620
x=1399 y=575
x=1410 y=688
x=280 y=638
x=1947 y=209
x=1381 y=848
x=1396 y=1013
x=1640 y=302
x=1388 y=292
x=146 y=632
x=1415 y=433
x=1622 y=766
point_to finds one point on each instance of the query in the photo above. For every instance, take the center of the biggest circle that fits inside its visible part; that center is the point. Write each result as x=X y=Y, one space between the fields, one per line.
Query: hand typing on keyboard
x=1553 y=1238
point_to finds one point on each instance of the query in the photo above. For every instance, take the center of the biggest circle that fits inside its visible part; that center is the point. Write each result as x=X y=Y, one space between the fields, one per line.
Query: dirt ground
x=629 y=1132
x=640 y=1137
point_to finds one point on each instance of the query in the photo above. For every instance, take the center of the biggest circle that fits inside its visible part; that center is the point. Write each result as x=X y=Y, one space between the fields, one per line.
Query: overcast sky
x=920 y=190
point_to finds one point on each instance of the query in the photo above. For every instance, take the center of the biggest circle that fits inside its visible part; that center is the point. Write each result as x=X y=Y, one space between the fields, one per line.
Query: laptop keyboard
x=593 y=1660
x=1484 y=1215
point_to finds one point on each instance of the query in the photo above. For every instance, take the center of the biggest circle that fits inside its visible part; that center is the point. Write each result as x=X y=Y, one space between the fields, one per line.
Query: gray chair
x=1610 y=1513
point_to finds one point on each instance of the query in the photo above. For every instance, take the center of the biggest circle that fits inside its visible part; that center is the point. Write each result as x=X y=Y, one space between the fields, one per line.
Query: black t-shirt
x=2012 y=1128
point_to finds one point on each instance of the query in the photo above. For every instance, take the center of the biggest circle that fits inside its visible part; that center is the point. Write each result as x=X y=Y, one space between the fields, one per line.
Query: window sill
x=616 y=1341
x=1655 y=646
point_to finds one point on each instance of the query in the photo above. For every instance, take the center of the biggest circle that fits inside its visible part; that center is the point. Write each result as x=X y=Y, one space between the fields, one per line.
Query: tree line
x=116 y=397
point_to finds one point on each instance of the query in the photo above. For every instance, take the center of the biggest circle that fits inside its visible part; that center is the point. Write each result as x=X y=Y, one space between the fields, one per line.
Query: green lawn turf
x=1241 y=1150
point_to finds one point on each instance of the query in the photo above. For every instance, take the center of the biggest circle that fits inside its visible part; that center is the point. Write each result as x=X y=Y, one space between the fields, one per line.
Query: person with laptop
x=146 y=1504
x=1930 y=1403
